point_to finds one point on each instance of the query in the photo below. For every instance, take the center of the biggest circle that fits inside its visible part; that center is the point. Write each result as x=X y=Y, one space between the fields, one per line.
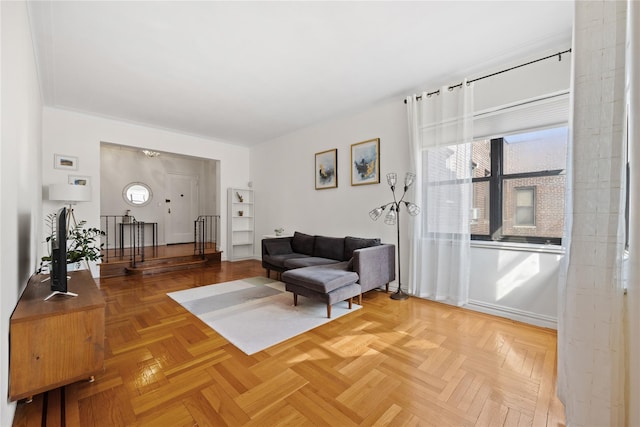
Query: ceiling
x=247 y=72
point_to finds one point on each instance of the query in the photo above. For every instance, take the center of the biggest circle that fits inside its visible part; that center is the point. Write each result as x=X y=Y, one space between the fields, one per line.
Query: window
x=525 y=209
x=518 y=187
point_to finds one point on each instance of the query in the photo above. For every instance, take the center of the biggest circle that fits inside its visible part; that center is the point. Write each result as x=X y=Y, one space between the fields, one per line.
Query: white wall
x=120 y=166
x=76 y=134
x=514 y=283
x=283 y=176
x=20 y=175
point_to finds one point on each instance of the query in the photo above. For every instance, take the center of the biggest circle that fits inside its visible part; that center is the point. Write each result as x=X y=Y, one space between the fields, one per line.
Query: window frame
x=496 y=197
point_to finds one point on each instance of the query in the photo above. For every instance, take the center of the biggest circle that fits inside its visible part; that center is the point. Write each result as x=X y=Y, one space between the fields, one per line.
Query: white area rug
x=256 y=313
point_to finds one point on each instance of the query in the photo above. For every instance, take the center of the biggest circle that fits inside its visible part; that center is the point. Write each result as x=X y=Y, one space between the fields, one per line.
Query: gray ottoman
x=330 y=284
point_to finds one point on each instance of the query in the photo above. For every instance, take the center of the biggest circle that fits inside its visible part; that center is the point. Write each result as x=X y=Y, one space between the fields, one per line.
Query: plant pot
x=76 y=266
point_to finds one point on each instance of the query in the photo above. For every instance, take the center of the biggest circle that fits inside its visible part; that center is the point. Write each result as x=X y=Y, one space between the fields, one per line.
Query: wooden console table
x=56 y=342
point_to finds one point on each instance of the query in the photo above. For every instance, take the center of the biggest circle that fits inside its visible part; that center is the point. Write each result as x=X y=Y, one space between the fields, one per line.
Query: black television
x=59 y=253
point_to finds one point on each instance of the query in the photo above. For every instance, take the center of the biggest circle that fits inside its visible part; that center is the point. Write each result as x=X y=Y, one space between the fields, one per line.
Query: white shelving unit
x=240 y=224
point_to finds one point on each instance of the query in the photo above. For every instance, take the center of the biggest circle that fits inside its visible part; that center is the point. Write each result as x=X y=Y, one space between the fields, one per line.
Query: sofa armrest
x=375 y=265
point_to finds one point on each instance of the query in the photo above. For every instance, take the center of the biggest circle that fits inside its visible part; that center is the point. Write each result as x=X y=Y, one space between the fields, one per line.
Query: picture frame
x=61 y=161
x=365 y=162
x=326 y=169
x=79 y=180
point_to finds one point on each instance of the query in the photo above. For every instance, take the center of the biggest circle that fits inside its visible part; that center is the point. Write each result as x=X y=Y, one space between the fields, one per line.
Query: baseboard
x=513 y=314
x=502 y=311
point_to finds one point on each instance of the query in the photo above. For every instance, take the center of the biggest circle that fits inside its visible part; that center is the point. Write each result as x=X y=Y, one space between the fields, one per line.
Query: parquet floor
x=397 y=363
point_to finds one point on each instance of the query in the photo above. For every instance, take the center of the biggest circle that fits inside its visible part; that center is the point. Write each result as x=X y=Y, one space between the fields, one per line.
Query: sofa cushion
x=278 y=246
x=329 y=247
x=307 y=261
x=302 y=243
x=320 y=279
x=353 y=243
x=340 y=294
x=279 y=260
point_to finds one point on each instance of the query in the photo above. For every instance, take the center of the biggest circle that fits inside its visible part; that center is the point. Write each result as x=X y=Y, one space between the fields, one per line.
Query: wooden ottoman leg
x=359 y=299
x=328 y=311
x=350 y=303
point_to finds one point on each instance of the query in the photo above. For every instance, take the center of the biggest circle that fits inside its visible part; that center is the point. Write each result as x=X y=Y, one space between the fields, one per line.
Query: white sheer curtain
x=633 y=296
x=440 y=134
x=591 y=346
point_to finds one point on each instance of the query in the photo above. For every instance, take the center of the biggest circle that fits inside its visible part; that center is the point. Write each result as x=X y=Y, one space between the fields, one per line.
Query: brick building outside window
x=519 y=187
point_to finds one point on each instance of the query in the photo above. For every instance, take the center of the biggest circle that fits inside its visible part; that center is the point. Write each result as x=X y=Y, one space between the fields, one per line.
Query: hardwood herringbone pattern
x=396 y=363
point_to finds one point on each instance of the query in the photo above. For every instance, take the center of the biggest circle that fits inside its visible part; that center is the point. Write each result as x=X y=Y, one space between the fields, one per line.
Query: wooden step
x=149 y=262
x=163 y=266
x=113 y=269
x=155 y=265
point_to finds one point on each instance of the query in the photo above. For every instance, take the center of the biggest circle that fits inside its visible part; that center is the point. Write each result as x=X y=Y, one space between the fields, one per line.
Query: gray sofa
x=330 y=268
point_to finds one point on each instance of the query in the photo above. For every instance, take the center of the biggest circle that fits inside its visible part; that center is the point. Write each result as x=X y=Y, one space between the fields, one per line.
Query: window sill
x=525 y=247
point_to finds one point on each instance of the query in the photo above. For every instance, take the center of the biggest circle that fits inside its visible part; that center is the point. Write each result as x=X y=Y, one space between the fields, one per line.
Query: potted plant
x=82 y=243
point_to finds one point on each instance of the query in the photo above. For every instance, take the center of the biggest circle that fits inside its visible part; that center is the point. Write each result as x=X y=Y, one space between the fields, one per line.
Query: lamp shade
x=412 y=208
x=375 y=213
x=70 y=193
x=409 y=178
x=392 y=179
x=392 y=216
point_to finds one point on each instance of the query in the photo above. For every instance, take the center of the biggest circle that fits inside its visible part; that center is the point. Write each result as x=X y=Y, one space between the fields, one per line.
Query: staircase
x=160 y=260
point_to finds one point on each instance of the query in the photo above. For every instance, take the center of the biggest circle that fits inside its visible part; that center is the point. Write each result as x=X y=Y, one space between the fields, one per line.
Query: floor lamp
x=393 y=218
x=70 y=194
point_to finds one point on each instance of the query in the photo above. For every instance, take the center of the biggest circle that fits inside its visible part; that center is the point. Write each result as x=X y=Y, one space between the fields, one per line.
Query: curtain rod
x=559 y=55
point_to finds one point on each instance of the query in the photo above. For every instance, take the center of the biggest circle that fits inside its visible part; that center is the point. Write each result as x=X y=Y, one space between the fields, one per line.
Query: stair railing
x=136 y=237
x=205 y=234
x=115 y=228
x=113 y=234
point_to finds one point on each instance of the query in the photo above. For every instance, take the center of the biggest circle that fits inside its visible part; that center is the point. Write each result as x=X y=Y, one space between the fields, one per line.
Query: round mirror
x=137 y=194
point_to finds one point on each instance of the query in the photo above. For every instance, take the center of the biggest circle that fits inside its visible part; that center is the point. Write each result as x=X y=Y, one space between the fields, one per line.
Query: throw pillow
x=329 y=247
x=302 y=243
x=353 y=243
x=278 y=247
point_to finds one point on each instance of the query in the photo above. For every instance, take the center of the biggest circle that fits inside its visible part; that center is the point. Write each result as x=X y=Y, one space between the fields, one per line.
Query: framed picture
x=60 y=161
x=326 y=170
x=79 y=180
x=365 y=162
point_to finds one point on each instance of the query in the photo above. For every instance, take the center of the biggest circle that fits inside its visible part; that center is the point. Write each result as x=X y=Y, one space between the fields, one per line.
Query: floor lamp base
x=399 y=295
